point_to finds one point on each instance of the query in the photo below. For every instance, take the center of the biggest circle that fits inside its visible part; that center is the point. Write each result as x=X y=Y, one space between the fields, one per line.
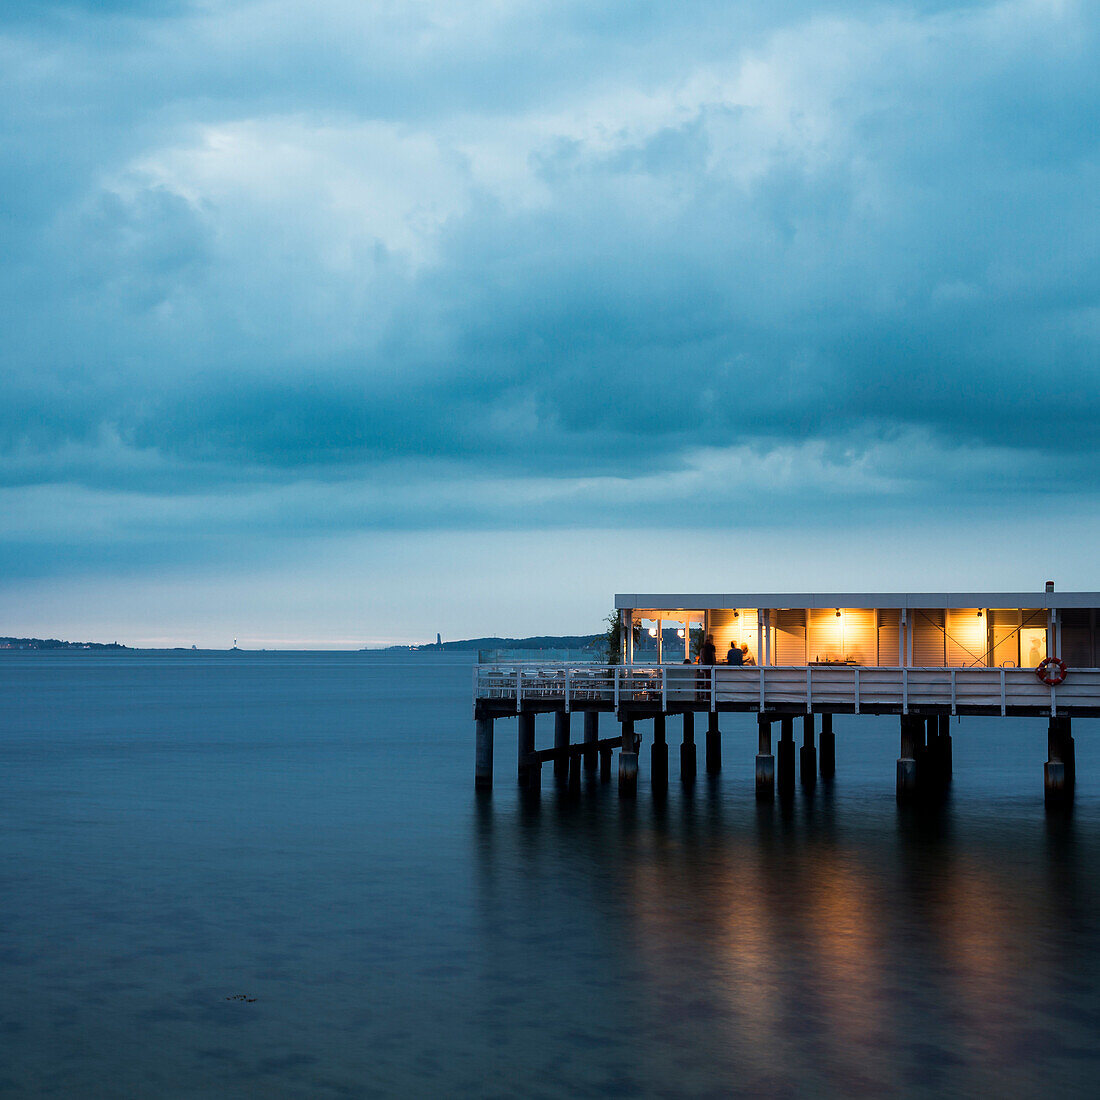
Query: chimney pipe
x=1050 y=586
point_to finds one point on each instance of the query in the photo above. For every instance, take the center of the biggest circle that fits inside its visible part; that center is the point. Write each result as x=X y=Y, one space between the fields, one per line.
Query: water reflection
x=822 y=946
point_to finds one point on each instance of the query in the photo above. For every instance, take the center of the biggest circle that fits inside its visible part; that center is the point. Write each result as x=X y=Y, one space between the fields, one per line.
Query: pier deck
x=501 y=690
x=924 y=698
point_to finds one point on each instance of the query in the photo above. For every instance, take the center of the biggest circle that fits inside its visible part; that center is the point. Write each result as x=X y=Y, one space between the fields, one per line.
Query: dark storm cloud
x=544 y=263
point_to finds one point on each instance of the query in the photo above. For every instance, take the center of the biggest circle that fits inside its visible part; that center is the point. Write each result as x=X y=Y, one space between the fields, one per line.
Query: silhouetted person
x=708 y=655
x=735 y=656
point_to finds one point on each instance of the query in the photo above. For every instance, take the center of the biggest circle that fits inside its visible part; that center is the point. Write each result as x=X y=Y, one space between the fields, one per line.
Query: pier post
x=591 y=737
x=659 y=754
x=912 y=737
x=628 y=761
x=784 y=763
x=828 y=747
x=576 y=762
x=1059 y=770
x=483 y=763
x=526 y=751
x=944 y=744
x=714 y=744
x=765 y=761
x=688 y=763
x=928 y=763
x=605 y=765
x=561 y=741
x=807 y=755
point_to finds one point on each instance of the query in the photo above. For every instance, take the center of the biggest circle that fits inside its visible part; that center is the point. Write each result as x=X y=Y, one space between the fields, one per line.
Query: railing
x=808 y=688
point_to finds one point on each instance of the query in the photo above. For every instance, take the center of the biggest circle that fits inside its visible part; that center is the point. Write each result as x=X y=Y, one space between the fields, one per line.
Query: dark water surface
x=179 y=829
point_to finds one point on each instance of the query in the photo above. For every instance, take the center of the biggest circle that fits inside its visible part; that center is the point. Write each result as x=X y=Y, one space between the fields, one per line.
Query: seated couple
x=739 y=655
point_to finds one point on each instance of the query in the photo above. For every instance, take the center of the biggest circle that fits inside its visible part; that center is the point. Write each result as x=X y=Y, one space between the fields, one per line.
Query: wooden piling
x=561 y=741
x=928 y=762
x=576 y=762
x=807 y=755
x=483 y=762
x=714 y=745
x=659 y=753
x=688 y=764
x=605 y=765
x=1059 y=770
x=628 y=761
x=828 y=747
x=525 y=751
x=912 y=742
x=944 y=740
x=765 y=761
x=591 y=737
x=784 y=759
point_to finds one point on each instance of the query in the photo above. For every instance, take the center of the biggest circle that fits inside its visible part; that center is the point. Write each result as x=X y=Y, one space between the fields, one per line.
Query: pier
x=843 y=676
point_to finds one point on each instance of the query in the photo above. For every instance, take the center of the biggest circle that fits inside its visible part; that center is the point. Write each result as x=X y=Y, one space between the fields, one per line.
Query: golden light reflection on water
x=804 y=959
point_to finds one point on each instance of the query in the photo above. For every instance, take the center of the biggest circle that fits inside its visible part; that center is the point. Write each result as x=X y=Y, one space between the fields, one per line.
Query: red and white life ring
x=1051 y=670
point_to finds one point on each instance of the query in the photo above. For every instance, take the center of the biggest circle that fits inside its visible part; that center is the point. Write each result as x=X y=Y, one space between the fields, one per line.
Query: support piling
x=561 y=741
x=765 y=761
x=483 y=763
x=714 y=744
x=688 y=765
x=525 y=751
x=807 y=755
x=628 y=761
x=659 y=753
x=828 y=747
x=912 y=744
x=591 y=736
x=1059 y=771
x=945 y=747
x=784 y=763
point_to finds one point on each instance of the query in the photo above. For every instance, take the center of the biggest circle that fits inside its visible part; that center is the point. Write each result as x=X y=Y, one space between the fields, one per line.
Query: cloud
x=277 y=269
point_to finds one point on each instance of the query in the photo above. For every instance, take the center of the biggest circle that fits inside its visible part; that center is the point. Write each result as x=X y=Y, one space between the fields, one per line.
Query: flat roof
x=695 y=601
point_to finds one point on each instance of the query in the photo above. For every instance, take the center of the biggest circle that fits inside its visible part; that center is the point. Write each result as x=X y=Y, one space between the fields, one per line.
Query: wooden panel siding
x=928 y=641
x=859 y=636
x=1076 y=639
x=790 y=637
x=825 y=640
x=967 y=638
x=888 y=639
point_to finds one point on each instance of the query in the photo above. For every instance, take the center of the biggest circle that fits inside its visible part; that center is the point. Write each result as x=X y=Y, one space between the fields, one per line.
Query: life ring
x=1051 y=670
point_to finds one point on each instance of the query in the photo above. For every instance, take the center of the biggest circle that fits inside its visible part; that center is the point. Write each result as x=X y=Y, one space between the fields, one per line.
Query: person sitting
x=746 y=656
x=735 y=656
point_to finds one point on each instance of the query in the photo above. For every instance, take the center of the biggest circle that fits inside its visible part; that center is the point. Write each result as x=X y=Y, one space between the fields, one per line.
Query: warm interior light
x=737 y=614
x=679 y=633
x=979 y=612
x=838 y=612
x=653 y=632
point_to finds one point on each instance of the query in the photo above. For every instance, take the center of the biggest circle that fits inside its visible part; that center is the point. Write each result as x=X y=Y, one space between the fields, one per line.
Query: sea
x=242 y=874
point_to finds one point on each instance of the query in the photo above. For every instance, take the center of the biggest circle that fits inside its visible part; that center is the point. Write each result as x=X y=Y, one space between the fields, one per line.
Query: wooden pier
x=923 y=698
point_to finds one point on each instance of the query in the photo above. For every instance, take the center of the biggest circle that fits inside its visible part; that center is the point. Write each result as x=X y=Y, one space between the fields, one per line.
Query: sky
x=343 y=324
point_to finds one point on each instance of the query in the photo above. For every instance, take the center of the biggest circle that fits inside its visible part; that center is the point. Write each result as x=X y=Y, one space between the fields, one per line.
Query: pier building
x=925 y=657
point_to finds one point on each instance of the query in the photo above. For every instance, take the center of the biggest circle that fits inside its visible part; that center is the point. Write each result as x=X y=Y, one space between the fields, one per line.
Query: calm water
x=180 y=829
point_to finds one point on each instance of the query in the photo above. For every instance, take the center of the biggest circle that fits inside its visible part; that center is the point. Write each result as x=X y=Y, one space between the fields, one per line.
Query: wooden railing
x=806 y=688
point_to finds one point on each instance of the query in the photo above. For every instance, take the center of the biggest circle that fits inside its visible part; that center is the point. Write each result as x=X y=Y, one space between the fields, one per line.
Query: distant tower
x=439 y=640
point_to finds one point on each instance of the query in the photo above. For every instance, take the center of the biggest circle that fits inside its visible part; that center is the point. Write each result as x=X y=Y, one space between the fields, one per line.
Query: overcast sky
x=344 y=323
